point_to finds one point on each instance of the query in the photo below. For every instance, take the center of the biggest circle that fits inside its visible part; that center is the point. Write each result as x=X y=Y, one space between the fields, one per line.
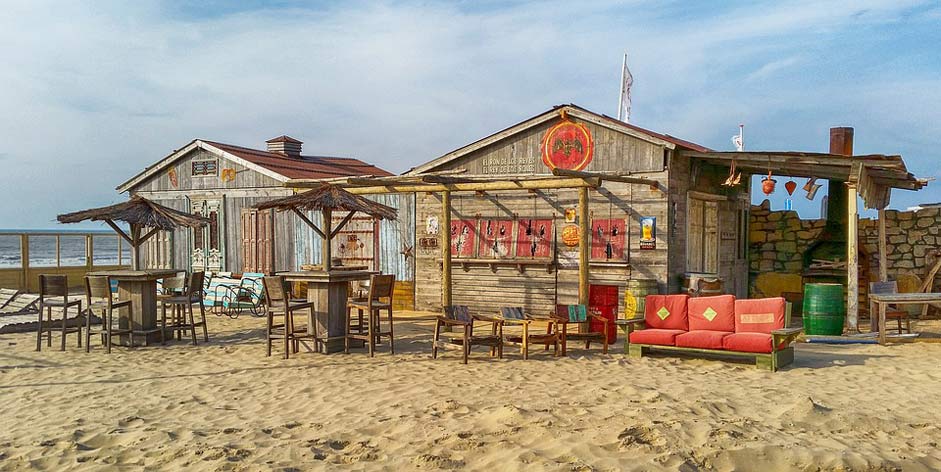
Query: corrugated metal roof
x=303 y=167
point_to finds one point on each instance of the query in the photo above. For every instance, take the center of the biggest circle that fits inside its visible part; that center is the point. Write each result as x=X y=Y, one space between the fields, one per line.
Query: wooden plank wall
x=244 y=178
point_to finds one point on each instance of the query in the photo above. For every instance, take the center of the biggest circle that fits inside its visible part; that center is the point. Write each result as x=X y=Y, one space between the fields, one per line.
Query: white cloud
x=93 y=92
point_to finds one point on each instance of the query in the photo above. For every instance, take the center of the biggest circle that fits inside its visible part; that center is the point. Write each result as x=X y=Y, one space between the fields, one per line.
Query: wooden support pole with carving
x=444 y=232
x=883 y=262
x=584 y=246
x=852 y=259
x=325 y=251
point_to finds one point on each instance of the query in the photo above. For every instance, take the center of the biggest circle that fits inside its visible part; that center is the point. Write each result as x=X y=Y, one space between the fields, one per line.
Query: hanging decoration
x=174 y=181
x=790 y=185
x=607 y=239
x=227 y=175
x=495 y=238
x=463 y=234
x=768 y=184
x=811 y=188
x=567 y=145
x=570 y=235
x=534 y=238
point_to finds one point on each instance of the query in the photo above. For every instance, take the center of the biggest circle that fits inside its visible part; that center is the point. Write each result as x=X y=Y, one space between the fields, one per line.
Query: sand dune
x=225 y=406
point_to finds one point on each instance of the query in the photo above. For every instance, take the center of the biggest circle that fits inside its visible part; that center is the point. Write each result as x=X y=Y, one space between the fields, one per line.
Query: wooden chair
x=280 y=304
x=460 y=316
x=98 y=296
x=579 y=315
x=6 y=296
x=888 y=288
x=54 y=293
x=378 y=298
x=173 y=287
x=516 y=316
x=192 y=295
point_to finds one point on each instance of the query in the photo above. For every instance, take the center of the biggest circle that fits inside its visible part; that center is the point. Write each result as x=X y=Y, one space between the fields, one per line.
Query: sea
x=42 y=248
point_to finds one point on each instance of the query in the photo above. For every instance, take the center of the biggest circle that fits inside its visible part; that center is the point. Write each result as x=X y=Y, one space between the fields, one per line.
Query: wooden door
x=208 y=244
x=257 y=228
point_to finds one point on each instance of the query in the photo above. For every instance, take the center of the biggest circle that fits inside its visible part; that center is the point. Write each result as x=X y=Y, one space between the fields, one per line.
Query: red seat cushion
x=662 y=337
x=761 y=315
x=666 y=312
x=747 y=342
x=712 y=313
x=702 y=339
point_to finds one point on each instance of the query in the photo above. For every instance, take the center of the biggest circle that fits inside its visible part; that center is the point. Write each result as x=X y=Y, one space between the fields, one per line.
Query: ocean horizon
x=42 y=247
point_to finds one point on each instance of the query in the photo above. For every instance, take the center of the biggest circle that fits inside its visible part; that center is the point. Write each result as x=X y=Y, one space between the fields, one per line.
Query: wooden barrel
x=824 y=309
x=635 y=294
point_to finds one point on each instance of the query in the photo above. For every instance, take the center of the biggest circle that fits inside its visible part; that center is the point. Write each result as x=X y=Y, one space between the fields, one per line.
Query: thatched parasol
x=139 y=213
x=329 y=198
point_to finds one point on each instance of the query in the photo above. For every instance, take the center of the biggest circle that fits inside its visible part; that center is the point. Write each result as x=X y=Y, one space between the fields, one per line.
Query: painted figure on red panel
x=495 y=238
x=463 y=236
x=607 y=239
x=534 y=238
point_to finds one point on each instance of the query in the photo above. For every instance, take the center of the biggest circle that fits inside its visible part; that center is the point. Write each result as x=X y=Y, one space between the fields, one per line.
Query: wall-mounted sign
x=427 y=243
x=607 y=239
x=648 y=232
x=534 y=238
x=570 y=215
x=570 y=235
x=174 y=181
x=508 y=165
x=227 y=175
x=463 y=237
x=431 y=225
x=496 y=237
x=567 y=145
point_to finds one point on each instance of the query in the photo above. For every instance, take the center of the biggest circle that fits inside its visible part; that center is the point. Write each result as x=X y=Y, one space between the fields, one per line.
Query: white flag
x=627 y=80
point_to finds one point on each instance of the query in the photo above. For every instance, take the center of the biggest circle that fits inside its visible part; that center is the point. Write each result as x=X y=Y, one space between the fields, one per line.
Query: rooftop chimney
x=841 y=143
x=285 y=145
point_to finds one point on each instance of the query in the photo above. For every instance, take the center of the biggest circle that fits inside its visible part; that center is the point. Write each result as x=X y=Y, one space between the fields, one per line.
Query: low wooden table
x=140 y=287
x=879 y=302
x=328 y=292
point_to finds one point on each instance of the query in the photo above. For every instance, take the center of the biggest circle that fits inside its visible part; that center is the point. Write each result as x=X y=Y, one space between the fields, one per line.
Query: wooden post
x=89 y=251
x=135 y=259
x=325 y=252
x=58 y=252
x=444 y=232
x=24 y=260
x=852 y=260
x=883 y=262
x=584 y=246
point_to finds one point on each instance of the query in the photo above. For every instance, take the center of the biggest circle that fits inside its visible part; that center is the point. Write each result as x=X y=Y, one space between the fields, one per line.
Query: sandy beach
x=225 y=406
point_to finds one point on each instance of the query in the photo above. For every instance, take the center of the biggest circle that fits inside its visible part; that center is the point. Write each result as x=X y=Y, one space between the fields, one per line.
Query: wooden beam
x=343 y=223
x=610 y=177
x=852 y=260
x=444 y=232
x=135 y=246
x=584 y=246
x=148 y=235
x=498 y=185
x=117 y=229
x=305 y=219
x=325 y=246
x=883 y=270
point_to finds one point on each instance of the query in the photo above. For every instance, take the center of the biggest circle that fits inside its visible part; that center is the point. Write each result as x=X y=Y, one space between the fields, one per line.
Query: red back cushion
x=712 y=313
x=666 y=312
x=761 y=315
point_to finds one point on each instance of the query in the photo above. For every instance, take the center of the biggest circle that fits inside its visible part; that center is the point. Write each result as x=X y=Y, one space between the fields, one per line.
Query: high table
x=140 y=287
x=328 y=292
x=880 y=301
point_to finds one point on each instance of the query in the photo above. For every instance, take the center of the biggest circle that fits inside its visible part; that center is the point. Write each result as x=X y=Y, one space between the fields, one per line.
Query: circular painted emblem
x=567 y=145
x=570 y=235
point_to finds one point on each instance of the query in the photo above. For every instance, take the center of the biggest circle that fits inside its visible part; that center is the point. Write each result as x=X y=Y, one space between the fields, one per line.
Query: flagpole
x=621 y=95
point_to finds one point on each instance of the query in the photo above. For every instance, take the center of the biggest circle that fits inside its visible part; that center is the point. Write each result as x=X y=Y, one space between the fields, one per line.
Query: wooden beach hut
x=225 y=182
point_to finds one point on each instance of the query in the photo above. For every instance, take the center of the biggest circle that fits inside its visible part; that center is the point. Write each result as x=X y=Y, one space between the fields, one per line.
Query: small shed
x=224 y=183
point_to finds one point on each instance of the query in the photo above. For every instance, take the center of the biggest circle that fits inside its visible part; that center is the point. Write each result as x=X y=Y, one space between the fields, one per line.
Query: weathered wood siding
x=485 y=287
x=244 y=177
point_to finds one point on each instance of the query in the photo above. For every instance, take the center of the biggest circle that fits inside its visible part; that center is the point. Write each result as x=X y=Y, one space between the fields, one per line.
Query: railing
x=26 y=254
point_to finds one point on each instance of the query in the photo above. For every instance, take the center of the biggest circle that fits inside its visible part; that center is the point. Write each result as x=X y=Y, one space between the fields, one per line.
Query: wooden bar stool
x=98 y=296
x=281 y=304
x=54 y=293
x=378 y=298
x=192 y=295
x=174 y=287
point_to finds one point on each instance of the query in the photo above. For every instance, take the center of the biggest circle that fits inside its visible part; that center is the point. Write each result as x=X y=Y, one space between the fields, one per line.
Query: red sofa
x=720 y=324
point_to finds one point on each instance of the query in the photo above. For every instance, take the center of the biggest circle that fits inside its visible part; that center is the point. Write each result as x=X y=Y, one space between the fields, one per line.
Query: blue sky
x=95 y=91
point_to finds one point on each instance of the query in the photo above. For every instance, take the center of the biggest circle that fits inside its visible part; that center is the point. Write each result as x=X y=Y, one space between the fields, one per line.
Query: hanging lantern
x=790 y=186
x=767 y=184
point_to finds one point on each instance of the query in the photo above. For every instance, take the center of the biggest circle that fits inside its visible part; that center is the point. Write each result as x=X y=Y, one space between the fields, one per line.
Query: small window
x=204 y=167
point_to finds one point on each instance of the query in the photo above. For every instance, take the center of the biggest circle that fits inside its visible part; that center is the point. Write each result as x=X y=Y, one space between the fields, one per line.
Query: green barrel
x=635 y=294
x=824 y=309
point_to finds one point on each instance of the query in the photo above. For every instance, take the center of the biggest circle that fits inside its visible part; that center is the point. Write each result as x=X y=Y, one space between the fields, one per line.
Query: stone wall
x=778 y=239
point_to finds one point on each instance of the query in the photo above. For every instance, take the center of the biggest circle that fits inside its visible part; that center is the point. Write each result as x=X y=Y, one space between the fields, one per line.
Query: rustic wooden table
x=140 y=287
x=328 y=292
x=880 y=302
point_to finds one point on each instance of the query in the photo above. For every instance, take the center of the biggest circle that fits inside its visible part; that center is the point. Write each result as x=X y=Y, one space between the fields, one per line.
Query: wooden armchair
x=459 y=316
x=897 y=314
x=516 y=316
x=579 y=315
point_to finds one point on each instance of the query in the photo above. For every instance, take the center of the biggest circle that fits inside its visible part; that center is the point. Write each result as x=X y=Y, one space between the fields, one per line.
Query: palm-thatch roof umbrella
x=139 y=213
x=329 y=198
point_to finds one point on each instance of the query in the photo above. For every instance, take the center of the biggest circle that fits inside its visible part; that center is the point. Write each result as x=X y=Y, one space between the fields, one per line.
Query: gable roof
x=606 y=121
x=274 y=165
